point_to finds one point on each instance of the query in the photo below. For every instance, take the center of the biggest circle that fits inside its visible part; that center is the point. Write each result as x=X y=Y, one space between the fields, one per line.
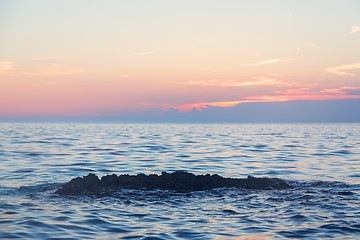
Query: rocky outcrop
x=177 y=181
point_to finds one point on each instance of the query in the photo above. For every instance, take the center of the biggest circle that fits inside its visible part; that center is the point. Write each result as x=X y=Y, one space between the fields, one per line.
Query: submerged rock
x=177 y=181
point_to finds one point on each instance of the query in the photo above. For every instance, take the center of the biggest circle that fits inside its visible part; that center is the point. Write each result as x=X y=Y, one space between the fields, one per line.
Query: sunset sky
x=105 y=57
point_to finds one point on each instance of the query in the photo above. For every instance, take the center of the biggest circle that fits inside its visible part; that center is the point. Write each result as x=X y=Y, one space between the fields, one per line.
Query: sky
x=107 y=58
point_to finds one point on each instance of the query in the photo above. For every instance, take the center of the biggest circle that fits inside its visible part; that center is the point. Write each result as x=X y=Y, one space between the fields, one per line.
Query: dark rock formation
x=177 y=181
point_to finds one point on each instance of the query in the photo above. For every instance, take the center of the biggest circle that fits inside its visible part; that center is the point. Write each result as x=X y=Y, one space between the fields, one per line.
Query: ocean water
x=321 y=161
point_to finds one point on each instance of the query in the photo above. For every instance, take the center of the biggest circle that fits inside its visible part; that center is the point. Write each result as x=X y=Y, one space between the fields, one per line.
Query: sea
x=321 y=161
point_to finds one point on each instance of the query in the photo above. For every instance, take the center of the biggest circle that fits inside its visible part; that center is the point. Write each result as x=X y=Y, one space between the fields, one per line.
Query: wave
x=29 y=189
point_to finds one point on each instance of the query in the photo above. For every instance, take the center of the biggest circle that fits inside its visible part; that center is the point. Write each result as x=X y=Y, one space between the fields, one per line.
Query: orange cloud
x=302 y=93
x=138 y=53
x=124 y=76
x=340 y=90
x=203 y=105
x=227 y=82
x=284 y=98
x=6 y=67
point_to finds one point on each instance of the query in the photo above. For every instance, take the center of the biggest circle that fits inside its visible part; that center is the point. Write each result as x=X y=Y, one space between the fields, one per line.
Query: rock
x=178 y=181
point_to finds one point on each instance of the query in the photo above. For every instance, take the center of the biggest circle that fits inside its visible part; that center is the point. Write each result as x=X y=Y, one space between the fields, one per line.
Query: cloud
x=227 y=82
x=264 y=81
x=343 y=70
x=355 y=29
x=124 y=76
x=307 y=111
x=138 y=53
x=266 y=62
x=345 y=90
x=56 y=69
x=199 y=106
x=47 y=58
x=256 y=54
x=6 y=67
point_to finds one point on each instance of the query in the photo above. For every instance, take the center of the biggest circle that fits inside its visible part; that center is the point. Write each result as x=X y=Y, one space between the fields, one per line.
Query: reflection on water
x=36 y=158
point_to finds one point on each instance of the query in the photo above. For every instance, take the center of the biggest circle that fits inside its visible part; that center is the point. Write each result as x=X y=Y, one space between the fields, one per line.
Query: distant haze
x=326 y=111
x=331 y=111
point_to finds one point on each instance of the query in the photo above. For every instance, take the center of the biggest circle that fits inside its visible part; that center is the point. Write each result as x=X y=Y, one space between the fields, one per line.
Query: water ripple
x=321 y=161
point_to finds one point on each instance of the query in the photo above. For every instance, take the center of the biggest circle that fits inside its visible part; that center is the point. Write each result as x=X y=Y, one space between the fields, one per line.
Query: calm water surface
x=321 y=161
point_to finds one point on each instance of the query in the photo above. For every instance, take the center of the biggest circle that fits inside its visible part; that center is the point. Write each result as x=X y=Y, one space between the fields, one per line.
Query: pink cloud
x=297 y=92
x=203 y=105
